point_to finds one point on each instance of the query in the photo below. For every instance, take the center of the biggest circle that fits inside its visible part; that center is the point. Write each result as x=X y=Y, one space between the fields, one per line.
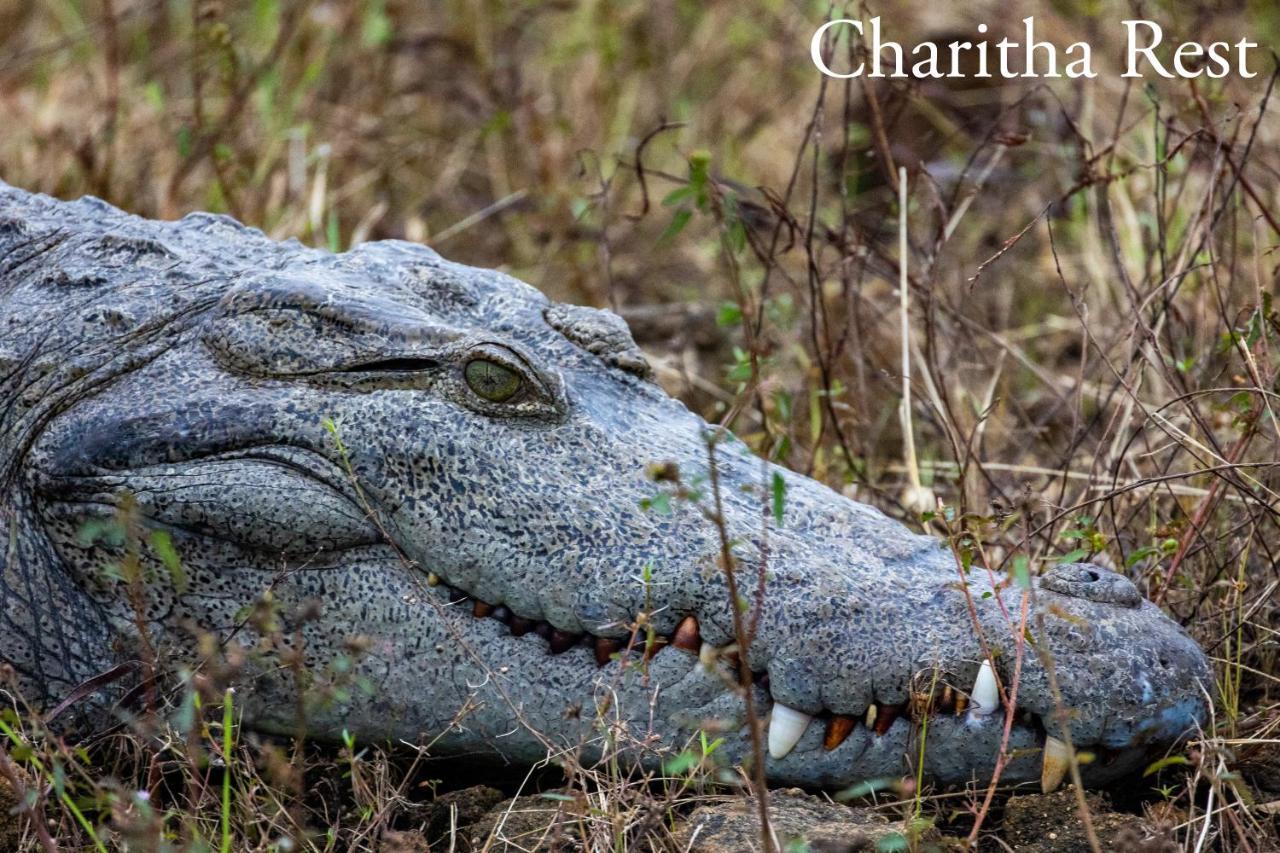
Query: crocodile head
x=438 y=460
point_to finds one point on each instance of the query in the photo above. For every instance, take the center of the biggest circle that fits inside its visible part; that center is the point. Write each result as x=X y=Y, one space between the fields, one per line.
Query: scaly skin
x=194 y=364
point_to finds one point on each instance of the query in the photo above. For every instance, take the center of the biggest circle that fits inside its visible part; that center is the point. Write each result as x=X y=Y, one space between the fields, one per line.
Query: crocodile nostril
x=1092 y=583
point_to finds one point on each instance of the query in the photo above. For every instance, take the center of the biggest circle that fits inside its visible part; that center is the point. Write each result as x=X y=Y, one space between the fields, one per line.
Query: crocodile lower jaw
x=786 y=725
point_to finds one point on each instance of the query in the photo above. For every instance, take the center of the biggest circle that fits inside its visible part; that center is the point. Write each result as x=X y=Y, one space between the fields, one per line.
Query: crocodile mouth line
x=929 y=696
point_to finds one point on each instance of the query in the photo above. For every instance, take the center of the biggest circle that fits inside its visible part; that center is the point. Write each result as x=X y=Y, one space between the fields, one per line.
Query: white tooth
x=707 y=656
x=985 y=696
x=785 y=728
x=1057 y=760
x=870 y=719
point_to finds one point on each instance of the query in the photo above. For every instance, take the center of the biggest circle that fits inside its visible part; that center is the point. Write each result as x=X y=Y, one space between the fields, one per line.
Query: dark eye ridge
x=492 y=381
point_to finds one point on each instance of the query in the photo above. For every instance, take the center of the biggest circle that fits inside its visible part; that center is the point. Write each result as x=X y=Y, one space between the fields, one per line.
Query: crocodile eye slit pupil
x=491 y=381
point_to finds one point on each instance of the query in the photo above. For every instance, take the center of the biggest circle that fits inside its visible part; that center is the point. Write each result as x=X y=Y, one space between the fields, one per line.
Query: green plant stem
x=61 y=789
x=227 y=738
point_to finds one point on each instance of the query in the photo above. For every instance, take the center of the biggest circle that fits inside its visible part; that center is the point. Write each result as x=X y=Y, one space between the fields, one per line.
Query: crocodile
x=483 y=505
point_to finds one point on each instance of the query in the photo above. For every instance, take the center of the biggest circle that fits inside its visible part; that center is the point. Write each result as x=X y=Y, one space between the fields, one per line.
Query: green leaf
x=741 y=369
x=375 y=29
x=680 y=764
x=779 y=497
x=1168 y=761
x=659 y=503
x=154 y=95
x=1140 y=555
x=737 y=236
x=333 y=235
x=1073 y=556
x=109 y=531
x=678 y=222
x=699 y=168
x=729 y=314
x=861 y=789
x=678 y=195
x=162 y=544
x=1022 y=571
x=892 y=843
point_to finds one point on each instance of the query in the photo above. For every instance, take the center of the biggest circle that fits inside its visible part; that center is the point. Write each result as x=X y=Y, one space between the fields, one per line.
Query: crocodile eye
x=492 y=381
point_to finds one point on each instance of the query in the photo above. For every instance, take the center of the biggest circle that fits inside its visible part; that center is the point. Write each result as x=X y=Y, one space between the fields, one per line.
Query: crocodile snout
x=1092 y=583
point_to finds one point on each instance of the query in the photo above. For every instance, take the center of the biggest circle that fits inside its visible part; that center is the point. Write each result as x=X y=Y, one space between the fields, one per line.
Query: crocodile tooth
x=920 y=705
x=520 y=626
x=686 y=636
x=838 y=728
x=707 y=655
x=1057 y=760
x=885 y=716
x=962 y=703
x=606 y=648
x=985 y=696
x=947 y=702
x=481 y=609
x=562 y=641
x=870 y=719
x=786 y=725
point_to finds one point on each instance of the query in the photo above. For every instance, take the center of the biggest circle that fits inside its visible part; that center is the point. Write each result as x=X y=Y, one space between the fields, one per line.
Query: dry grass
x=1091 y=327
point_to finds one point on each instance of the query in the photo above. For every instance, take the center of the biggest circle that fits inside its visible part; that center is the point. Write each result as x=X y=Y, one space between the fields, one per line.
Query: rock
x=461 y=808
x=548 y=822
x=732 y=826
x=404 y=842
x=1050 y=823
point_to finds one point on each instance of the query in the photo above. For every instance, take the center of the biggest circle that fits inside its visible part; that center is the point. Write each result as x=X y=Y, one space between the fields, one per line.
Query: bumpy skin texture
x=193 y=364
